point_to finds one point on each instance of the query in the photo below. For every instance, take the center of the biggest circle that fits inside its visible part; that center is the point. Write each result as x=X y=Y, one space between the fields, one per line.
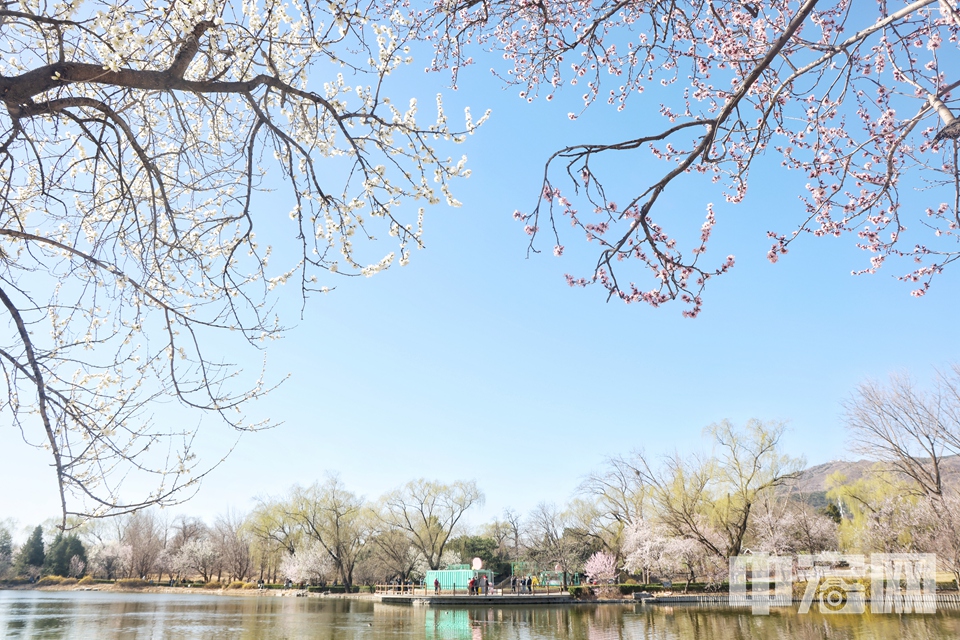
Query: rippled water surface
x=35 y=614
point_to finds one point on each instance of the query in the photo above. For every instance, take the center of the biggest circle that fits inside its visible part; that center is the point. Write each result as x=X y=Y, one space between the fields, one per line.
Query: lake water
x=99 y=615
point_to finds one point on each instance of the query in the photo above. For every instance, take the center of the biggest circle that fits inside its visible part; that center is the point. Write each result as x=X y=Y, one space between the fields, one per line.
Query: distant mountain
x=814 y=479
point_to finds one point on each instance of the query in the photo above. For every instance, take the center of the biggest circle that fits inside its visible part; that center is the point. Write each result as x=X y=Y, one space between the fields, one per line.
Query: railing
x=422 y=590
x=532 y=590
x=401 y=589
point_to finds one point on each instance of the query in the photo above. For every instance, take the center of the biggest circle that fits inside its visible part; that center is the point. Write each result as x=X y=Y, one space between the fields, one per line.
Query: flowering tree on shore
x=601 y=567
x=650 y=550
x=309 y=563
x=199 y=556
x=135 y=140
x=858 y=99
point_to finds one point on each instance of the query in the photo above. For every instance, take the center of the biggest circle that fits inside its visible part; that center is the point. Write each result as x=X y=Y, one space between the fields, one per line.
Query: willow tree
x=710 y=499
x=429 y=512
x=857 y=97
x=335 y=519
x=135 y=143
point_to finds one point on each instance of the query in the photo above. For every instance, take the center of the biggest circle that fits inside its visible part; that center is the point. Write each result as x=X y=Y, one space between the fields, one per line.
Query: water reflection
x=26 y=614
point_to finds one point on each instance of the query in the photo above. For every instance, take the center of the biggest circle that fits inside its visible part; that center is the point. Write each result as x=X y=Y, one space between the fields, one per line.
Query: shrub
x=131 y=583
x=337 y=588
x=85 y=580
x=68 y=581
x=236 y=584
x=15 y=582
x=213 y=585
x=581 y=593
x=249 y=585
x=47 y=581
x=629 y=588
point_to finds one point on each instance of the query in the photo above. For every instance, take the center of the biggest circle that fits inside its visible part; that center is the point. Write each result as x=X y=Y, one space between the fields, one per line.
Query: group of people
x=479 y=586
x=402 y=586
x=523 y=584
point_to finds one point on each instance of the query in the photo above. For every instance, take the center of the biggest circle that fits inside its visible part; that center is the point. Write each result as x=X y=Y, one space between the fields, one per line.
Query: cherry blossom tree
x=136 y=142
x=651 y=549
x=109 y=559
x=200 y=556
x=310 y=563
x=601 y=567
x=858 y=99
x=785 y=523
x=643 y=548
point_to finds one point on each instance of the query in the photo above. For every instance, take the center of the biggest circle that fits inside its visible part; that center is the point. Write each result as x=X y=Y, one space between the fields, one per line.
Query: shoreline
x=950 y=599
x=245 y=593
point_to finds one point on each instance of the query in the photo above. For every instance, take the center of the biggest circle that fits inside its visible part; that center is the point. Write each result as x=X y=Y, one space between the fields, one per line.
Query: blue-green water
x=36 y=614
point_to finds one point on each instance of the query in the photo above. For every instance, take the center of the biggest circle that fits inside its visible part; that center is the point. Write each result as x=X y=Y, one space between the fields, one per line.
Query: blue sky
x=475 y=362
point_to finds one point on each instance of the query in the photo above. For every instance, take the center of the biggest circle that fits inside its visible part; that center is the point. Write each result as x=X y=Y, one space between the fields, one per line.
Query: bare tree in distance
x=617 y=494
x=911 y=431
x=136 y=142
x=145 y=534
x=553 y=542
x=858 y=98
x=234 y=540
x=391 y=554
x=513 y=522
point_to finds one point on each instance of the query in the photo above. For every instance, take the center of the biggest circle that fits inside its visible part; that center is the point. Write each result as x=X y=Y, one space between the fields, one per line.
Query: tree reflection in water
x=107 y=616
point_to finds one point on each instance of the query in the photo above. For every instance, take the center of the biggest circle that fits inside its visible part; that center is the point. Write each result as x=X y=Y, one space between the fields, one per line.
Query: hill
x=813 y=480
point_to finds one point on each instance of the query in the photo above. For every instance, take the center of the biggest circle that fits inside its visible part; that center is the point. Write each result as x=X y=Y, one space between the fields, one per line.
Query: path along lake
x=99 y=615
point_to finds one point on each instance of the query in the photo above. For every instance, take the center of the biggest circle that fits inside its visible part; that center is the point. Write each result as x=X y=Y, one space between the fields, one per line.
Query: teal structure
x=455 y=578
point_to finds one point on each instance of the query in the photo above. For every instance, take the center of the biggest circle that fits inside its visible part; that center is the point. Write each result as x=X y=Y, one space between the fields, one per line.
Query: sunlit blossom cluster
x=137 y=144
x=850 y=96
